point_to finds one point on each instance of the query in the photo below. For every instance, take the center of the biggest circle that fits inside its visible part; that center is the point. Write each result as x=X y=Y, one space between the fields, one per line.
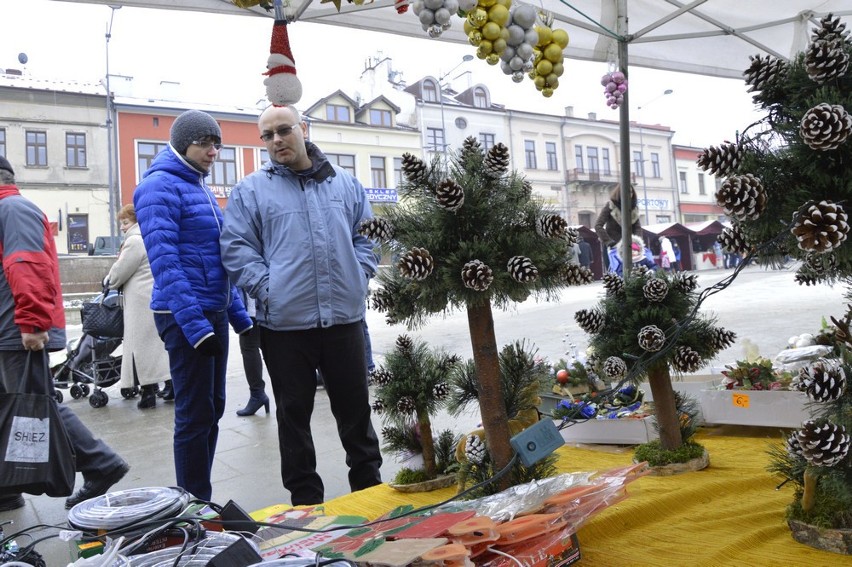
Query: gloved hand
x=211 y=346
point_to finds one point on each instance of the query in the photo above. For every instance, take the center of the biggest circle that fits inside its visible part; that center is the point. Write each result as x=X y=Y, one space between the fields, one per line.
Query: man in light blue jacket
x=290 y=240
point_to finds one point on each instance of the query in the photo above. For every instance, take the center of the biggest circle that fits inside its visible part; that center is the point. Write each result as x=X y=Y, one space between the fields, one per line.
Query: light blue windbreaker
x=291 y=241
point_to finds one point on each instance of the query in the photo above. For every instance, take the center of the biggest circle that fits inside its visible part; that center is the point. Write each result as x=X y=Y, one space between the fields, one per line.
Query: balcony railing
x=585 y=175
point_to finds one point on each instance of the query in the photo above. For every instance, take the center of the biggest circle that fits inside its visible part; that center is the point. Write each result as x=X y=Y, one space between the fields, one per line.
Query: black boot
x=149 y=397
x=255 y=402
x=167 y=393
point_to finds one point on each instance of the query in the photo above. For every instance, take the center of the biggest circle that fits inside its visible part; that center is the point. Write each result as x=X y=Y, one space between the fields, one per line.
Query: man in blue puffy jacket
x=192 y=299
x=291 y=241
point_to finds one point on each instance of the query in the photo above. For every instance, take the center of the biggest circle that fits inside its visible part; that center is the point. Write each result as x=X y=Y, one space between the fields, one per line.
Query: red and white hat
x=282 y=85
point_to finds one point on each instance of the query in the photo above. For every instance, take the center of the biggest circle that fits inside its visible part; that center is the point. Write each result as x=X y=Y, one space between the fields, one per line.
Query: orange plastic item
x=445 y=553
x=479 y=529
x=567 y=496
x=526 y=527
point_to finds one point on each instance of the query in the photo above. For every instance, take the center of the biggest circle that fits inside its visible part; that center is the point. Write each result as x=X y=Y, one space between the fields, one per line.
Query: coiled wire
x=199 y=553
x=116 y=510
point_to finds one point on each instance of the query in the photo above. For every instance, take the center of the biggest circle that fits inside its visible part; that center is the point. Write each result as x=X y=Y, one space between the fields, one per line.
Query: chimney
x=593 y=116
x=569 y=111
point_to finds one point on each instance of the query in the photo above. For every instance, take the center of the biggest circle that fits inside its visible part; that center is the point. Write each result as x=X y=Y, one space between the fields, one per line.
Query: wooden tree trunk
x=492 y=406
x=664 y=407
x=427 y=444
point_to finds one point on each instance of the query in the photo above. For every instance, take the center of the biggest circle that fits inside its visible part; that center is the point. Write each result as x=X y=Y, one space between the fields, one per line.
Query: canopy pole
x=624 y=140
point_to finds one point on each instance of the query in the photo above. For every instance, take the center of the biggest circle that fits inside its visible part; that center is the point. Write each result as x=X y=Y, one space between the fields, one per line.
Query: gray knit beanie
x=192 y=126
x=4 y=164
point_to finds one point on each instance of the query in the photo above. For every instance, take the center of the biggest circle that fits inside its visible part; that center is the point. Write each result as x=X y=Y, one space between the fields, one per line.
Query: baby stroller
x=90 y=365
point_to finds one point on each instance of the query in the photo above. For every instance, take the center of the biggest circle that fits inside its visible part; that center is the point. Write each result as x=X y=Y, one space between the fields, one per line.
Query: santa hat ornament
x=282 y=85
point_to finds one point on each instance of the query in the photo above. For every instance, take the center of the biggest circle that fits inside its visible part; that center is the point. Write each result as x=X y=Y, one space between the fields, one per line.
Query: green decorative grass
x=410 y=476
x=657 y=456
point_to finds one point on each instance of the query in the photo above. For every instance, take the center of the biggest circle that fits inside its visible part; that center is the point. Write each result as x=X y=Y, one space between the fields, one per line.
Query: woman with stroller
x=144 y=358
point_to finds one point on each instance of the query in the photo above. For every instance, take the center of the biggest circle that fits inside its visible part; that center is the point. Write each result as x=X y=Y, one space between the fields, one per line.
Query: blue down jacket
x=180 y=222
x=291 y=241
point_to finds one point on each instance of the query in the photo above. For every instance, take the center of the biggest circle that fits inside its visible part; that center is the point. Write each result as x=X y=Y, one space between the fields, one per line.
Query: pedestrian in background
x=252 y=363
x=32 y=318
x=291 y=240
x=608 y=226
x=192 y=300
x=585 y=253
x=144 y=359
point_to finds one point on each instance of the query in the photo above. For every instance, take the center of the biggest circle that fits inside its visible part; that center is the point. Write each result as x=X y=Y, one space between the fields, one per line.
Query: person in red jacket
x=32 y=318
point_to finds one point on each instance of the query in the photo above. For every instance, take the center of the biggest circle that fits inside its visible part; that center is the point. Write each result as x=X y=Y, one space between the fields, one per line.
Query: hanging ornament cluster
x=548 y=57
x=517 y=56
x=615 y=85
x=485 y=26
x=821 y=227
x=282 y=85
x=435 y=15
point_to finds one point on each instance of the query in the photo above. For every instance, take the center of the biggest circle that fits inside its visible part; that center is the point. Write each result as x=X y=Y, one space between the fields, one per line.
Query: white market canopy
x=707 y=37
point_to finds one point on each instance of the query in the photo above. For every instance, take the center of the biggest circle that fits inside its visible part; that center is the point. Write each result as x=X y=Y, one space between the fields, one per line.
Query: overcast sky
x=219 y=59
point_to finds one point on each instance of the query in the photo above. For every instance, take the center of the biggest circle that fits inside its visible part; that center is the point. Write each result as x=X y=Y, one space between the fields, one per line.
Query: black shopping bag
x=103 y=317
x=36 y=455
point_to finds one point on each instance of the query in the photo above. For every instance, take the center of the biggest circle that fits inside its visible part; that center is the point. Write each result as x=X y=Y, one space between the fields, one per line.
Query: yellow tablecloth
x=727 y=514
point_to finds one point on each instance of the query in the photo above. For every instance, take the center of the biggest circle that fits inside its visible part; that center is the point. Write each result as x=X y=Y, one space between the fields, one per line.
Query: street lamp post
x=642 y=154
x=464 y=60
x=109 y=127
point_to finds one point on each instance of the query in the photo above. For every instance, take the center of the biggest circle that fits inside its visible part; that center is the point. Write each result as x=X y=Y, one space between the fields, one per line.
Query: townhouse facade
x=696 y=188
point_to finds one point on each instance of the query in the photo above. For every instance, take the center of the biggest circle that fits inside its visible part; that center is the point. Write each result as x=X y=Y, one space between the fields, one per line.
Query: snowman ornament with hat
x=282 y=85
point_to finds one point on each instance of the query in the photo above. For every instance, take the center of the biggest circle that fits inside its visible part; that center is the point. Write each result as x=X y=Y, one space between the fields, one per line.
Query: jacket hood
x=169 y=161
x=8 y=191
x=321 y=169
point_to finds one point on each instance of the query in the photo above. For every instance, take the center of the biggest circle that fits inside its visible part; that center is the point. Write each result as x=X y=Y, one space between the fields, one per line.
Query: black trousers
x=292 y=358
x=252 y=360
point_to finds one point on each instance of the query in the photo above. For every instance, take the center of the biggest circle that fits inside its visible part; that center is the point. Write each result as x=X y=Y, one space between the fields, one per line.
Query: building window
x=146 y=152
x=224 y=170
x=718 y=182
x=529 y=154
x=397 y=171
x=36 y=148
x=701 y=189
x=380 y=117
x=3 y=142
x=435 y=139
x=75 y=150
x=377 y=172
x=607 y=168
x=682 y=182
x=655 y=165
x=430 y=91
x=585 y=219
x=264 y=157
x=480 y=98
x=638 y=167
x=594 y=165
x=345 y=161
x=550 y=150
x=337 y=113
x=487 y=141
x=578 y=158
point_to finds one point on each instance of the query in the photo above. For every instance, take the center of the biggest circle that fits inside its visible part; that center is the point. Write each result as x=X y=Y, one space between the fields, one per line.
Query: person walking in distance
x=252 y=363
x=192 y=300
x=32 y=318
x=290 y=239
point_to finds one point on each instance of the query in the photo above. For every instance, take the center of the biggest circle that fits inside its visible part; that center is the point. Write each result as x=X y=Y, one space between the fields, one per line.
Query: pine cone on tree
x=826 y=60
x=742 y=196
x=830 y=29
x=450 y=195
x=613 y=283
x=614 y=368
x=823 y=444
x=816 y=268
x=733 y=240
x=477 y=275
x=528 y=188
x=573 y=274
x=655 y=290
x=723 y=338
x=572 y=236
x=380 y=377
x=413 y=168
x=640 y=271
x=590 y=320
x=685 y=282
x=522 y=269
x=792 y=445
x=764 y=73
x=376 y=228
x=406 y=405
x=825 y=126
x=651 y=338
x=474 y=449
x=822 y=381
x=552 y=226
x=806 y=277
x=416 y=264
x=378 y=407
x=441 y=390
x=470 y=148
x=496 y=163
x=721 y=160
x=822 y=227
x=686 y=360
x=404 y=344
x=381 y=300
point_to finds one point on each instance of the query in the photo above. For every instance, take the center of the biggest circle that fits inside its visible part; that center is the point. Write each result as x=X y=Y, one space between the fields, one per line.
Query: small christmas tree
x=647 y=324
x=469 y=234
x=411 y=386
